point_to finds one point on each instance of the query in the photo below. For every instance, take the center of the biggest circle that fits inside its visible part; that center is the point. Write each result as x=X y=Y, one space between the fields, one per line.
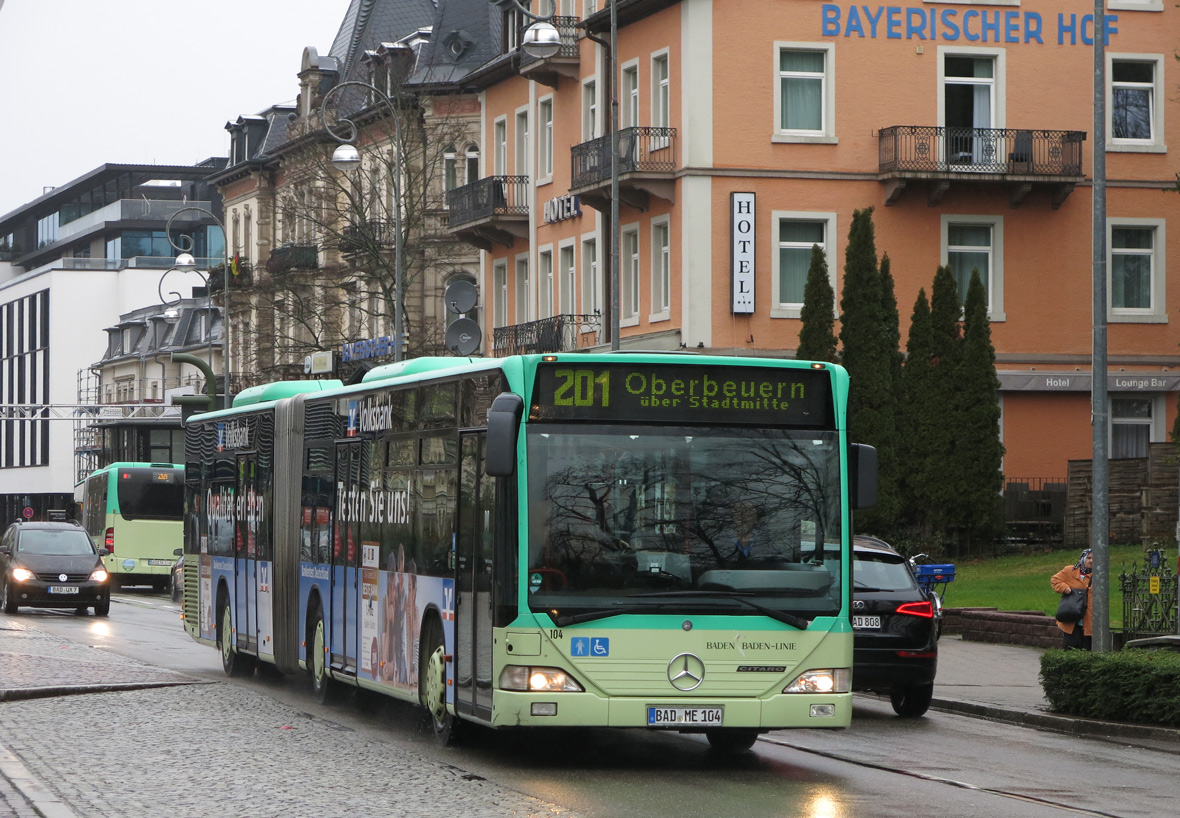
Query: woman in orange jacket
x=1076 y=635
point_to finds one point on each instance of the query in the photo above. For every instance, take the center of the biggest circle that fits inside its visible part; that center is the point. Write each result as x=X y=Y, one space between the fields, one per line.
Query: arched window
x=472 y=164
x=450 y=171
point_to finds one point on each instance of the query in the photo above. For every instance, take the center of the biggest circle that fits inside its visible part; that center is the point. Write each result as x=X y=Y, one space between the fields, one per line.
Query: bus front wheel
x=432 y=683
x=232 y=662
x=731 y=739
x=326 y=689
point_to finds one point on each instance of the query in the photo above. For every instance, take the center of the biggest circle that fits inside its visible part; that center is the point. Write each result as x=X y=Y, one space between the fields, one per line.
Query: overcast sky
x=141 y=81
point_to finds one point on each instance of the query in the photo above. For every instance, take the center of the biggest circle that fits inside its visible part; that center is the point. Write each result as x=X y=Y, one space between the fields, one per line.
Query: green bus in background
x=136 y=511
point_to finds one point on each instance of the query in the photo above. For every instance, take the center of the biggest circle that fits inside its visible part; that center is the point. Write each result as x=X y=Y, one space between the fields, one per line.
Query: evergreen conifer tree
x=817 y=336
x=865 y=336
x=980 y=508
x=919 y=419
x=940 y=481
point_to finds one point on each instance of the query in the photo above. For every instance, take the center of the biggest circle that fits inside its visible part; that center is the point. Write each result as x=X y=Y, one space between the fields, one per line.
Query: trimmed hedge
x=1131 y=685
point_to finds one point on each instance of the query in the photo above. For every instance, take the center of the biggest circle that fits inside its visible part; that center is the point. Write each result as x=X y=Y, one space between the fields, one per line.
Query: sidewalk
x=1002 y=683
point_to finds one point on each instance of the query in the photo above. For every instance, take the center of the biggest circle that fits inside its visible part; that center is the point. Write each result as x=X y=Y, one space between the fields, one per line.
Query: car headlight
x=538 y=680
x=22 y=575
x=838 y=680
x=99 y=575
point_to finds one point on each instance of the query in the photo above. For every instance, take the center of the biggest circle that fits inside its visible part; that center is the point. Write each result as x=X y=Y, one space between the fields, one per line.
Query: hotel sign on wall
x=742 y=241
x=561 y=208
x=959 y=25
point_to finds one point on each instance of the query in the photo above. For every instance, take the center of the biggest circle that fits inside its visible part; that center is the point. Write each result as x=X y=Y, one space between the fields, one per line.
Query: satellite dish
x=463 y=337
x=461 y=296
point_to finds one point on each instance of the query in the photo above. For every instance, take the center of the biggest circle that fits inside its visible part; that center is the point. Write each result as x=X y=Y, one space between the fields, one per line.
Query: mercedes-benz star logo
x=686 y=672
x=62 y=577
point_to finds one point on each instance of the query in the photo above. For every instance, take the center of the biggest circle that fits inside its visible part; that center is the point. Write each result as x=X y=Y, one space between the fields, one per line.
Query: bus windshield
x=683 y=519
x=150 y=494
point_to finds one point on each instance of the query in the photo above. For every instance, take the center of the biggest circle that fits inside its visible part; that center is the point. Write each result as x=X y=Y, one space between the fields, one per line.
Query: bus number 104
x=581 y=387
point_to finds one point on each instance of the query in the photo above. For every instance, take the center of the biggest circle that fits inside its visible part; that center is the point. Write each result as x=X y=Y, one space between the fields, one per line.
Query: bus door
x=248 y=575
x=473 y=581
x=345 y=556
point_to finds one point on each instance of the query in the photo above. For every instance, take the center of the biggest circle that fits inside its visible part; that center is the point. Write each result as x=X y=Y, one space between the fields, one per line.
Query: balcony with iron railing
x=367 y=237
x=489 y=211
x=646 y=166
x=940 y=156
x=288 y=257
x=558 y=333
x=565 y=63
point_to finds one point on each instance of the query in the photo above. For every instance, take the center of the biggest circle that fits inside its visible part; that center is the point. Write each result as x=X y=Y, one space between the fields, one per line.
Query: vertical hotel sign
x=742 y=251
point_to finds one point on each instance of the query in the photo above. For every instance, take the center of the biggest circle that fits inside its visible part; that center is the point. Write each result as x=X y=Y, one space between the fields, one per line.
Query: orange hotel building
x=751 y=129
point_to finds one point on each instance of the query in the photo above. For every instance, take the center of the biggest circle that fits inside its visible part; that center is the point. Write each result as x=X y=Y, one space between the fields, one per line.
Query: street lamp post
x=346 y=158
x=186 y=263
x=541 y=40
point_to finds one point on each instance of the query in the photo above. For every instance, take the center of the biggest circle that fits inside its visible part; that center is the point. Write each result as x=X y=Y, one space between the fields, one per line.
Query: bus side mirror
x=503 y=426
x=862 y=471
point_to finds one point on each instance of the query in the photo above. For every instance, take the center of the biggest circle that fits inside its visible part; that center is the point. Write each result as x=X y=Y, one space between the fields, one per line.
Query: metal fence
x=490 y=196
x=1034 y=508
x=980 y=150
x=559 y=333
x=1149 y=597
x=640 y=149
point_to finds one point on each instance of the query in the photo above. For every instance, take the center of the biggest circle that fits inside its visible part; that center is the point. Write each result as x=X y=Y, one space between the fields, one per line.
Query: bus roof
x=278 y=390
x=256 y=396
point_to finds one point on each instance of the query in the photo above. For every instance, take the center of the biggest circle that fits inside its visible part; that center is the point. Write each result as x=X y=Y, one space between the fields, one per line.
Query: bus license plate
x=63 y=589
x=866 y=622
x=160 y=562
x=684 y=716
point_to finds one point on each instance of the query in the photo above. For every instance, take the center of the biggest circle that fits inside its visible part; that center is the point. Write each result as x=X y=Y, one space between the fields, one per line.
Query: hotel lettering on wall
x=560 y=208
x=742 y=239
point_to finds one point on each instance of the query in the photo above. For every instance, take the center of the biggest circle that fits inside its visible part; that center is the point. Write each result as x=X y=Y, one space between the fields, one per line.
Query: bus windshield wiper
x=793 y=620
x=562 y=620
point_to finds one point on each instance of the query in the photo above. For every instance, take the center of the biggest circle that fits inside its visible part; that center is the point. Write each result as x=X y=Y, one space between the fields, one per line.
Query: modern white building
x=71 y=263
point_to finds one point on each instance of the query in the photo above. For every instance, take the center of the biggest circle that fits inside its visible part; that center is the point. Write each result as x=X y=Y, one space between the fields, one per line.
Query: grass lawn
x=1021 y=583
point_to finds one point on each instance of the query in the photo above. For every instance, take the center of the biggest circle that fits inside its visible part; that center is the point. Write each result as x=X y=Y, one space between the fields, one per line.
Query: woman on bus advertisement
x=400 y=623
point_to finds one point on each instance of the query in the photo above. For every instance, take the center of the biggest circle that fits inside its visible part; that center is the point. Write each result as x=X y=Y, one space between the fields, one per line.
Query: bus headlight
x=21 y=575
x=99 y=575
x=538 y=680
x=838 y=680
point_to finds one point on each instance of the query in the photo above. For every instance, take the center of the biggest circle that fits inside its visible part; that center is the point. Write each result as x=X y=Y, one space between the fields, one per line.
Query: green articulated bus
x=649 y=540
x=136 y=511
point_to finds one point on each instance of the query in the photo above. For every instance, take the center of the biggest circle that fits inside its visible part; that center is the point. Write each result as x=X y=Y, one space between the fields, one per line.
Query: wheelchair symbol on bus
x=590 y=646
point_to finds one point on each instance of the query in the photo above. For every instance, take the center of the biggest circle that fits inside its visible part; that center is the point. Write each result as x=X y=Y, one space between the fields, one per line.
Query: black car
x=895 y=626
x=52 y=565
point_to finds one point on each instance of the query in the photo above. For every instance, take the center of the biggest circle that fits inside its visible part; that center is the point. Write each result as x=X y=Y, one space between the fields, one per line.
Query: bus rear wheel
x=232 y=662
x=731 y=739
x=326 y=689
x=432 y=683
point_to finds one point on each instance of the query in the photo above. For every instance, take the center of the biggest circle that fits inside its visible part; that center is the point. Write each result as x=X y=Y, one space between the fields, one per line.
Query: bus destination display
x=757 y=396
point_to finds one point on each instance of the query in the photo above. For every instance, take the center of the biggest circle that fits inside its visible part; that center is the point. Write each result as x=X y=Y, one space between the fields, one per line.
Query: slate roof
x=368 y=23
x=466 y=36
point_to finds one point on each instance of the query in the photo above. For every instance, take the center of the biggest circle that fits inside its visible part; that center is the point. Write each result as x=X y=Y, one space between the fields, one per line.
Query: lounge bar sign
x=561 y=208
x=742 y=240
x=1083 y=381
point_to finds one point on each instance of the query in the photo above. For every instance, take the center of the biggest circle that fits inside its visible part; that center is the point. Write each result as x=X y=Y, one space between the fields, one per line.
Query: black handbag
x=1072 y=608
